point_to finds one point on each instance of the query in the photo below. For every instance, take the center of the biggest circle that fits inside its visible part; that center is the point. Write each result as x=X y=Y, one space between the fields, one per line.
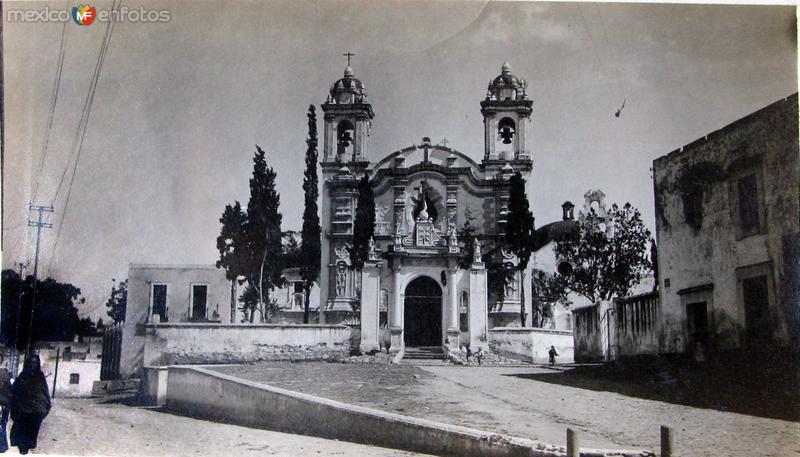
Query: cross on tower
x=348 y=54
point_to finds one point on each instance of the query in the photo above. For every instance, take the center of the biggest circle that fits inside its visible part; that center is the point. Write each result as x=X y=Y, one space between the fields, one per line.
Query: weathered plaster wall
x=531 y=344
x=179 y=279
x=88 y=372
x=170 y=344
x=707 y=250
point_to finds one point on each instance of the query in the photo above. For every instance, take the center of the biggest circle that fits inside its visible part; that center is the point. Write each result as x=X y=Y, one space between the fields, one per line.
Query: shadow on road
x=770 y=390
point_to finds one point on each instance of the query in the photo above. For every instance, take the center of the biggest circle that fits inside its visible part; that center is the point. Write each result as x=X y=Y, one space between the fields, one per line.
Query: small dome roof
x=556 y=231
x=507 y=86
x=348 y=89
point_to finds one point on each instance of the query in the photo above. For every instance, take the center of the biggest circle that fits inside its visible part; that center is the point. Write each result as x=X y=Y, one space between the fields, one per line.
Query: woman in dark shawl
x=30 y=403
x=5 y=404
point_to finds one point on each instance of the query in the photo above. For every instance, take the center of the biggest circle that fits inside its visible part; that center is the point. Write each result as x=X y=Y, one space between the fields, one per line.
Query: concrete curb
x=204 y=393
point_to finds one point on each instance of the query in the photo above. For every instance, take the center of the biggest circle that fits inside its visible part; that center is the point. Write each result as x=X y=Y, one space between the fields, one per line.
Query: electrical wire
x=53 y=104
x=81 y=132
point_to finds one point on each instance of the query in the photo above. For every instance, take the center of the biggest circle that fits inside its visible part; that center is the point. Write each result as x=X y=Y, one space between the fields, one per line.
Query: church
x=425 y=283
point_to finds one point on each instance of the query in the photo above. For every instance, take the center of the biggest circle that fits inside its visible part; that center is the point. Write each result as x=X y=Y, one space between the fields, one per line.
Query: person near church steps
x=30 y=403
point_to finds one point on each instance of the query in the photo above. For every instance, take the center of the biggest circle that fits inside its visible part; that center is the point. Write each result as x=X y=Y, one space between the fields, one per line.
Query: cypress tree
x=310 y=247
x=364 y=225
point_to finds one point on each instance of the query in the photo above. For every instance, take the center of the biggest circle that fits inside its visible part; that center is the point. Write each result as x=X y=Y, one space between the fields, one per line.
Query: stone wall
x=703 y=249
x=207 y=394
x=170 y=344
x=531 y=344
x=591 y=333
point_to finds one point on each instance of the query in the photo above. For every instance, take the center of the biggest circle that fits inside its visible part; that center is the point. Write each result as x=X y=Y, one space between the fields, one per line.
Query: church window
x=506 y=130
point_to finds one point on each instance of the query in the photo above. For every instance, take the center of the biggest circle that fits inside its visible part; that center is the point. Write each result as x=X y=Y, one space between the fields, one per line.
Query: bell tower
x=348 y=119
x=506 y=112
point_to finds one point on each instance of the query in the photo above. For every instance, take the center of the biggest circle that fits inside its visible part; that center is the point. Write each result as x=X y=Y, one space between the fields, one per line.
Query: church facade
x=439 y=224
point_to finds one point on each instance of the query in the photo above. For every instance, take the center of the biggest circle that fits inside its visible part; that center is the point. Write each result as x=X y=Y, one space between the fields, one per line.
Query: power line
x=53 y=103
x=81 y=132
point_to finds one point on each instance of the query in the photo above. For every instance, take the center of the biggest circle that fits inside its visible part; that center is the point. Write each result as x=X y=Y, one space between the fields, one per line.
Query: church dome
x=507 y=86
x=348 y=89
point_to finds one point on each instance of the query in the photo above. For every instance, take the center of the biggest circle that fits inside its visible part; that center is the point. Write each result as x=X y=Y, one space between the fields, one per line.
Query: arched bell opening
x=345 y=132
x=506 y=129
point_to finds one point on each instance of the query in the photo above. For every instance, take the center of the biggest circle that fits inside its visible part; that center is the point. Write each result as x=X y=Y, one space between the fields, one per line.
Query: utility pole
x=13 y=363
x=39 y=224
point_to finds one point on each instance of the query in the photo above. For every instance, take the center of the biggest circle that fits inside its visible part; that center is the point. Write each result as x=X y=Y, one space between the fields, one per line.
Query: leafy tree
x=519 y=230
x=262 y=234
x=291 y=250
x=232 y=248
x=547 y=290
x=364 y=225
x=55 y=317
x=311 y=251
x=605 y=265
x=117 y=303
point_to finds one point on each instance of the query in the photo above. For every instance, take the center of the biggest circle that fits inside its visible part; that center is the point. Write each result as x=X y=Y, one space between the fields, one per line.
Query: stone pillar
x=491 y=136
x=478 y=318
x=521 y=143
x=487 y=138
x=396 y=312
x=453 y=330
x=370 y=300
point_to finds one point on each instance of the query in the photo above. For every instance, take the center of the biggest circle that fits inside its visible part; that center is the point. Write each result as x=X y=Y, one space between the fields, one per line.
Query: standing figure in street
x=30 y=404
x=5 y=404
x=553 y=355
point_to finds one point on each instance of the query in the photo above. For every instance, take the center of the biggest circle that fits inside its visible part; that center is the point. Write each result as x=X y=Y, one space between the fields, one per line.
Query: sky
x=180 y=105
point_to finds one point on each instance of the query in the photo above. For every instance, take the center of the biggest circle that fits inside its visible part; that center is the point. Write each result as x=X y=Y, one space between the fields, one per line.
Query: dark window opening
x=748 y=204
x=160 y=301
x=74 y=378
x=199 y=298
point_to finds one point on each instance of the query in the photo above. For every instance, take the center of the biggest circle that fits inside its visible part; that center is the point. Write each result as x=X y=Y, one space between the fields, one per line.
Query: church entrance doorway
x=423 y=313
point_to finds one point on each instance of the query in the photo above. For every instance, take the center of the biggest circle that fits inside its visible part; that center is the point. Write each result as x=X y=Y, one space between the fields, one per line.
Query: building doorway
x=423 y=313
x=697 y=322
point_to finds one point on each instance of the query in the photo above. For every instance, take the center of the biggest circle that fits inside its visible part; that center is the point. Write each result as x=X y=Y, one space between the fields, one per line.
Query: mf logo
x=83 y=14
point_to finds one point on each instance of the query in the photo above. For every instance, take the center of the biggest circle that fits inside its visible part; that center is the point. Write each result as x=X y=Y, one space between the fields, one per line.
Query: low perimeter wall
x=531 y=344
x=175 y=344
x=207 y=394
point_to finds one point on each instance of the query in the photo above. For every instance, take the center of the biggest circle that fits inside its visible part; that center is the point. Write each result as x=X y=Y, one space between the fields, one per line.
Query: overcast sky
x=180 y=106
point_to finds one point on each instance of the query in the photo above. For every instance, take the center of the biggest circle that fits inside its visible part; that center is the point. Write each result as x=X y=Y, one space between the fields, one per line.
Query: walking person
x=5 y=404
x=553 y=355
x=30 y=403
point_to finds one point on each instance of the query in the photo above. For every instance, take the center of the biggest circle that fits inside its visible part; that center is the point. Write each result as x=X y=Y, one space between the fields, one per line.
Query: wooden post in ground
x=666 y=441
x=573 y=449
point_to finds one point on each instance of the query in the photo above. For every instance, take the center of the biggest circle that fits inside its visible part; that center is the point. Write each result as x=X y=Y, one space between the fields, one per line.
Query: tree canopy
x=55 y=318
x=117 y=303
x=605 y=261
x=519 y=221
x=364 y=224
